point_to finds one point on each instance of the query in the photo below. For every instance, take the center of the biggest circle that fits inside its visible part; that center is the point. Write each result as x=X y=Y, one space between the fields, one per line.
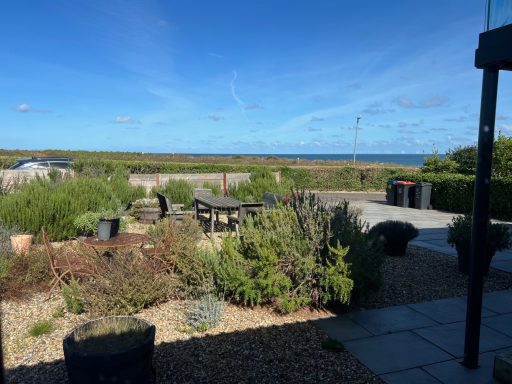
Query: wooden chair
x=271 y=199
x=63 y=266
x=244 y=210
x=168 y=209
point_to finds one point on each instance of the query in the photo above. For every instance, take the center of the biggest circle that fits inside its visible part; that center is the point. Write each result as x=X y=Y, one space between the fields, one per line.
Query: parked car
x=43 y=163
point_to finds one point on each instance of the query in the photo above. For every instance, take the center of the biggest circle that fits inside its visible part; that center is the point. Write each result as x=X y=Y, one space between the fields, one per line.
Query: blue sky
x=269 y=76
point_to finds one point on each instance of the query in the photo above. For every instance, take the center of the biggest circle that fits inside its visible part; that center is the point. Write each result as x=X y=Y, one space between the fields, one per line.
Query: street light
x=355 y=140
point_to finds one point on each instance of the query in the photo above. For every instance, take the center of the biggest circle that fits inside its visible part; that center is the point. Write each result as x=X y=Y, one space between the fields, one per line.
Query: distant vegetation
x=453 y=179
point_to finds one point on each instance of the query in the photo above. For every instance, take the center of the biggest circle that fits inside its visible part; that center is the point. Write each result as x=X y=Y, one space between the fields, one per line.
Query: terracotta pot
x=21 y=243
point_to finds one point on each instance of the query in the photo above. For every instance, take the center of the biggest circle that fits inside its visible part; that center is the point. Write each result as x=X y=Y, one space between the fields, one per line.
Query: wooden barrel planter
x=148 y=215
x=95 y=354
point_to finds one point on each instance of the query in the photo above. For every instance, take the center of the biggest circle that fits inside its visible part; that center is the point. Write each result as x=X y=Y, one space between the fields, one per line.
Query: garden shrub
x=394 y=235
x=206 y=313
x=72 y=297
x=365 y=256
x=216 y=189
x=454 y=193
x=125 y=285
x=55 y=206
x=23 y=273
x=261 y=181
x=123 y=190
x=178 y=191
x=178 y=241
x=277 y=263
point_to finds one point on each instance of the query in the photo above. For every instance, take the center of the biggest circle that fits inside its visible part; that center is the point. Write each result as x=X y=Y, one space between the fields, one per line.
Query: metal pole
x=355 y=140
x=480 y=216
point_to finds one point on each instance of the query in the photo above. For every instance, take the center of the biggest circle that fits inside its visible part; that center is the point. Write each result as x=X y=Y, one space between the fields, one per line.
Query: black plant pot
x=114 y=228
x=132 y=365
x=395 y=248
x=463 y=259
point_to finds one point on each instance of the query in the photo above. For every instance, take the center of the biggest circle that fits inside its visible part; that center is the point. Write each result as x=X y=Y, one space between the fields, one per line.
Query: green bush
x=87 y=223
x=125 y=285
x=40 y=203
x=56 y=206
x=40 y=328
x=178 y=191
x=177 y=242
x=454 y=193
x=216 y=189
x=261 y=181
x=277 y=263
x=206 y=313
x=394 y=235
x=465 y=158
x=122 y=189
x=365 y=256
x=340 y=178
x=71 y=296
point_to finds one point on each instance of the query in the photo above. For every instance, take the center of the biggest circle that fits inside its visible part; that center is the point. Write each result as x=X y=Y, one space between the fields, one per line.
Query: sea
x=413 y=160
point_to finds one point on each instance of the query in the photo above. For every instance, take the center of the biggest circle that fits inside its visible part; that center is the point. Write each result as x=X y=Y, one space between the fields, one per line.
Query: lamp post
x=494 y=53
x=355 y=140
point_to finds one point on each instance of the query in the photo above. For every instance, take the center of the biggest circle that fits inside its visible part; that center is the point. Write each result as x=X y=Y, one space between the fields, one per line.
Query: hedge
x=340 y=178
x=454 y=192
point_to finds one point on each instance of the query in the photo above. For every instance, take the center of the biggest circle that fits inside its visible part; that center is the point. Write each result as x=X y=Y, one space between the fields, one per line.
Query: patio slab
x=455 y=373
x=395 y=352
x=391 y=319
x=450 y=338
x=416 y=376
x=499 y=302
x=501 y=323
x=446 y=310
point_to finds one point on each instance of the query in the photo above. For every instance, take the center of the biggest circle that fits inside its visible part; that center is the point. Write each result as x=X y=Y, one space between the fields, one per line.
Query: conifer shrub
x=277 y=262
x=365 y=255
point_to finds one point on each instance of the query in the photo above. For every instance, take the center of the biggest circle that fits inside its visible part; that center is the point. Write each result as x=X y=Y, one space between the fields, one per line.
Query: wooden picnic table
x=216 y=203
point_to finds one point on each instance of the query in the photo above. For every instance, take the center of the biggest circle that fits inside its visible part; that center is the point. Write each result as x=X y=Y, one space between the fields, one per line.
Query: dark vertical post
x=480 y=215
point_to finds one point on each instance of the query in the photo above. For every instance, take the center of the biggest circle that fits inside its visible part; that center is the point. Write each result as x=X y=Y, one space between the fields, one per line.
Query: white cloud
x=24 y=108
x=124 y=120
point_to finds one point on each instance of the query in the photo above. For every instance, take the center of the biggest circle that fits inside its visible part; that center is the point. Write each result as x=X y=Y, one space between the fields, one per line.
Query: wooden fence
x=223 y=180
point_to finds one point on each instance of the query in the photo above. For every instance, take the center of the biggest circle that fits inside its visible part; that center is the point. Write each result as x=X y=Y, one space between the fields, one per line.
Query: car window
x=60 y=164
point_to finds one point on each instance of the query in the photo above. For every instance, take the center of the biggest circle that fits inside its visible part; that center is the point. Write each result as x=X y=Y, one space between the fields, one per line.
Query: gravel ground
x=250 y=345
x=423 y=275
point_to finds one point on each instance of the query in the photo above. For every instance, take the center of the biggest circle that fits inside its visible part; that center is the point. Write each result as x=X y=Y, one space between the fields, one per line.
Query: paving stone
x=499 y=301
x=500 y=323
x=395 y=352
x=446 y=310
x=416 y=376
x=502 y=265
x=342 y=328
x=391 y=319
x=453 y=372
x=450 y=337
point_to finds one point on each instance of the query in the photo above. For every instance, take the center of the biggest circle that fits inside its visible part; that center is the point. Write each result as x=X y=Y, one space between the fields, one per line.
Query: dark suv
x=43 y=163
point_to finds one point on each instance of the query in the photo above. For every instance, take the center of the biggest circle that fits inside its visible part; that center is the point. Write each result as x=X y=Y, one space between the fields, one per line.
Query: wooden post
x=225 y=183
x=157 y=179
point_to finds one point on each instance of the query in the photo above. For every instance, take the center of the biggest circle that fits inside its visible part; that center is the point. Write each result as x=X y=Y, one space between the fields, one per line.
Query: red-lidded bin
x=405 y=194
